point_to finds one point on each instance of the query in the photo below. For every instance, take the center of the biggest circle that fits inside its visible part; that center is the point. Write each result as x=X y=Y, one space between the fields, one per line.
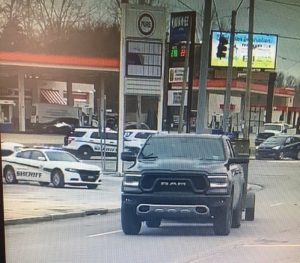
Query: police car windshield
x=60 y=156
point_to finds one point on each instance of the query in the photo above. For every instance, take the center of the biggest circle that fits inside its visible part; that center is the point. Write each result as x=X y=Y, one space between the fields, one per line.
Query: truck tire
x=155 y=223
x=237 y=214
x=250 y=206
x=85 y=152
x=223 y=220
x=131 y=225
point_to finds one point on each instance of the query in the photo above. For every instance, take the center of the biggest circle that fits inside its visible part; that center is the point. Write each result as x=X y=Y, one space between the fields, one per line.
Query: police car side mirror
x=41 y=158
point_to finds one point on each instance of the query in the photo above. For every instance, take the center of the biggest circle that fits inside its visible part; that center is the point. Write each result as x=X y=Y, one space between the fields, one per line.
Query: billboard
x=263 y=56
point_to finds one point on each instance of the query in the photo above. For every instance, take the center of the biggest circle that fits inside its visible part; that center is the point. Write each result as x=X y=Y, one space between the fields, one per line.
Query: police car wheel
x=10 y=176
x=85 y=152
x=57 y=179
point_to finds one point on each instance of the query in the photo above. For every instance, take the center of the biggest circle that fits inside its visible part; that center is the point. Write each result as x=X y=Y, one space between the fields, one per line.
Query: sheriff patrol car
x=47 y=166
x=86 y=142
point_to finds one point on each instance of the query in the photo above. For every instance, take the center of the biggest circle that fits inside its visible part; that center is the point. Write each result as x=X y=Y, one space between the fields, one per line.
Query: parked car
x=47 y=166
x=135 y=125
x=262 y=136
x=86 y=142
x=279 y=127
x=58 y=126
x=8 y=148
x=184 y=177
x=279 y=147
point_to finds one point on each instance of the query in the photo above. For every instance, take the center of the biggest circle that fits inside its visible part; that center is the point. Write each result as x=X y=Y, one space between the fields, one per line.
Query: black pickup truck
x=190 y=177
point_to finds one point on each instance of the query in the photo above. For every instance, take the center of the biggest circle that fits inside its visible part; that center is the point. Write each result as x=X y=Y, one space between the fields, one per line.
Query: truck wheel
x=250 y=206
x=57 y=179
x=131 y=225
x=155 y=223
x=10 y=176
x=237 y=214
x=223 y=221
x=85 y=152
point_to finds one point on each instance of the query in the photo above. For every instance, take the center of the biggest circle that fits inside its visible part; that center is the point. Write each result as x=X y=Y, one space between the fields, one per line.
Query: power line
x=288 y=37
x=239 y=5
x=217 y=15
x=184 y=4
x=290 y=59
x=281 y=3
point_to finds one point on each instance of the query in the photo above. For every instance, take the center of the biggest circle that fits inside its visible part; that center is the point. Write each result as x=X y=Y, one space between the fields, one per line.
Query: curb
x=47 y=218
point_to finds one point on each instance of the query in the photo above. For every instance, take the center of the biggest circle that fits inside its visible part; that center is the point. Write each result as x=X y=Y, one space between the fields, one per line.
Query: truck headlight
x=276 y=147
x=218 y=184
x=131 y=182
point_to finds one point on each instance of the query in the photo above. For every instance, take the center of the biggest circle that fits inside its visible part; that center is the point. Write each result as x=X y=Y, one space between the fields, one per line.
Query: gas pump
x=6 y=115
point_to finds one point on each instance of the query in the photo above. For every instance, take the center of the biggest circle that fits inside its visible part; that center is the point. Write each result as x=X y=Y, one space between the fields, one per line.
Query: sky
x=270 y=16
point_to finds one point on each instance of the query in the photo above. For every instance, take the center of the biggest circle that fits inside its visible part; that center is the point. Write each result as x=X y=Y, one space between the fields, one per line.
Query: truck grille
x=88 y=176
x=174 y=182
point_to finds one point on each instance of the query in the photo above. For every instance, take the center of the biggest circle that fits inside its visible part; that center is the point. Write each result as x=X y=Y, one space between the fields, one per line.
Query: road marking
x=106 y=233
x=274 y=245
x=277 y=204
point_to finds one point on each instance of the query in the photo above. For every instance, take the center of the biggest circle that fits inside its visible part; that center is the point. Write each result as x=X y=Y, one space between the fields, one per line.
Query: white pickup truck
x=279 y=127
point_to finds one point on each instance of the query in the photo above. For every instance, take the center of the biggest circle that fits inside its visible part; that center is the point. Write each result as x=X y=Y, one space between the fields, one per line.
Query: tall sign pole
x=201 y=107
x=249 y=73
x=191 y=71
x=181 y=59
x=141 y=61
x=229 y=74
x=2 y=233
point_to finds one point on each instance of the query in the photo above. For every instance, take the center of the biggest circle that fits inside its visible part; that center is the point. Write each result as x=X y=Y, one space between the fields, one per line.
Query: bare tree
x=291 y=82
x=280 y=80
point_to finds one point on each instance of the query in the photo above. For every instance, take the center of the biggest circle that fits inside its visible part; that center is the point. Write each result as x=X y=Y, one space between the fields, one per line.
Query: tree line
x=76 y=27
x=72 y=27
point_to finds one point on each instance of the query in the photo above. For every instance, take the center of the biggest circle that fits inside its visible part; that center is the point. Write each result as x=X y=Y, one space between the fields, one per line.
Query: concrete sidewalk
x=29 y=202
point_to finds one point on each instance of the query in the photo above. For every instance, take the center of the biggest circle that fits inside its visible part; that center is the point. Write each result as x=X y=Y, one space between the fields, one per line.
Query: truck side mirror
x=128 y=156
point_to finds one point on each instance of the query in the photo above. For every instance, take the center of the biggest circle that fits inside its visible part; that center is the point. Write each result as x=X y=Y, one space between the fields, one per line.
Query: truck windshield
x=183 y=147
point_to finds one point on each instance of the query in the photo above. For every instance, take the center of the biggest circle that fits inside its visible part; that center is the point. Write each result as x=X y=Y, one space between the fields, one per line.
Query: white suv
x=135 y=139
x=86 y=142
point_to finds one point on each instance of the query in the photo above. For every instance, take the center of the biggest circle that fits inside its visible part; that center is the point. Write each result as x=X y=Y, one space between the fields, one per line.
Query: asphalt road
x=274 y=236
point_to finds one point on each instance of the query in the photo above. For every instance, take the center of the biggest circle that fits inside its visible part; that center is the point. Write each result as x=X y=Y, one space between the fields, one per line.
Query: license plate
x=91 y=177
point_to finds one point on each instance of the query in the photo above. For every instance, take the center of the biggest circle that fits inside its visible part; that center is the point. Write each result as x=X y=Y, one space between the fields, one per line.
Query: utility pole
x=184 y=81
x=2 y=234
x=201 y=106
x=229 y=74
x=249 y=73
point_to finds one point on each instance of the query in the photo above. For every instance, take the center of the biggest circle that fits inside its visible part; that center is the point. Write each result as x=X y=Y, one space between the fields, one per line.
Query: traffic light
x=221 y=53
